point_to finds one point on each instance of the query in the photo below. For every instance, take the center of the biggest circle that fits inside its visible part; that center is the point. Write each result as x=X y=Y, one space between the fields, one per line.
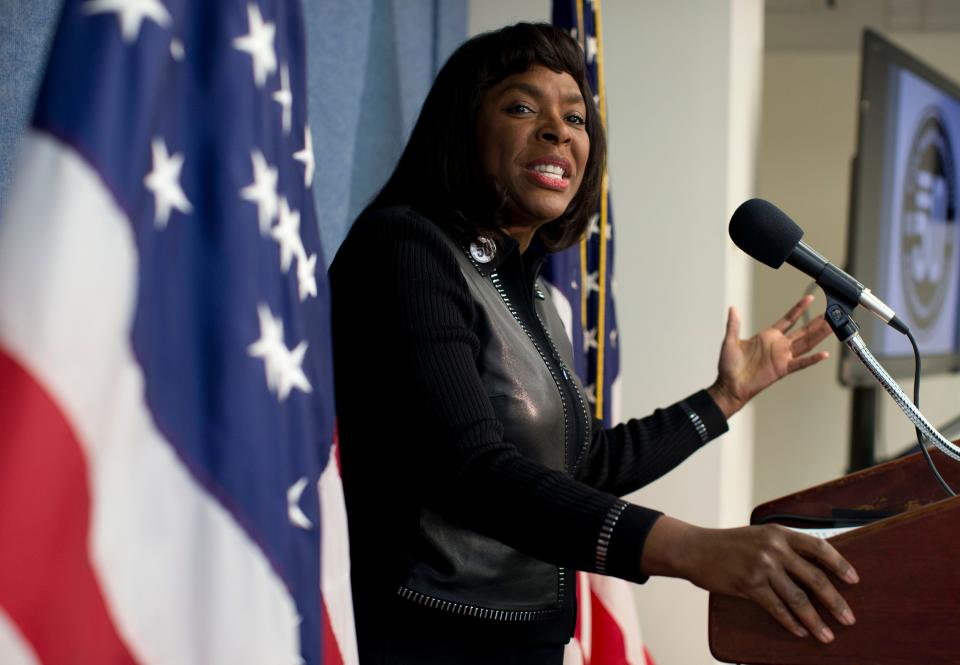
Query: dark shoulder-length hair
x=440 y=169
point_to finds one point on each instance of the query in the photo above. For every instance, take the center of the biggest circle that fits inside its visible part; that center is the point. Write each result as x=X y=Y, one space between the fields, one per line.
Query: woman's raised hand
x=774 y=566
x=747 y=366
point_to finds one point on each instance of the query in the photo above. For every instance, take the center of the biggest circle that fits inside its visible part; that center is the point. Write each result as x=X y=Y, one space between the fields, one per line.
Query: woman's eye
x=519 y=109
x=576 y=119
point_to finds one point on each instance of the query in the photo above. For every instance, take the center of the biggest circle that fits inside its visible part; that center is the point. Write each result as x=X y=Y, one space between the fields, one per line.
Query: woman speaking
x=476 y=480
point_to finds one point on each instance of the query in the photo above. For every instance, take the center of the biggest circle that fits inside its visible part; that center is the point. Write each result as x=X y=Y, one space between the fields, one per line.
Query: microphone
x=766 y=233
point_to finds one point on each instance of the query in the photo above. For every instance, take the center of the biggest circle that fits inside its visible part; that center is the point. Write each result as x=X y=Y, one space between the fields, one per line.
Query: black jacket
x=474 y=477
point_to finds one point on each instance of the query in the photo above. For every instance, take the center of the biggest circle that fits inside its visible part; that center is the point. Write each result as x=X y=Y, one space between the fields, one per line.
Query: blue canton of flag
x=164 y=305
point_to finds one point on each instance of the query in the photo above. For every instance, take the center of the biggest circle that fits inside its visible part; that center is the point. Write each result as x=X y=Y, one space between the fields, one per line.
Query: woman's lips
x=552 y=173
x=558 y=183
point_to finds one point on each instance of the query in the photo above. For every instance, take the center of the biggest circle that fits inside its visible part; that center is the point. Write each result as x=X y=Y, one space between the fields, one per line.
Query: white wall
x=492 y=14
x=683 y=101
x=808 y=137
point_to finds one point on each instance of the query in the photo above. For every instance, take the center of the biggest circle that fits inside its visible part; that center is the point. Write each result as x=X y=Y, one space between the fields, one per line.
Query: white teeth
x=550 y=170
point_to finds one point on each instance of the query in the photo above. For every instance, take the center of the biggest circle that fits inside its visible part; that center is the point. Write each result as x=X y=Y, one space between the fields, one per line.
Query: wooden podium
x=907 y=603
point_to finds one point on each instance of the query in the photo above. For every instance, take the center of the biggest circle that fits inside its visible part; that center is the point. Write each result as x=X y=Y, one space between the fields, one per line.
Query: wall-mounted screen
x=904 y=238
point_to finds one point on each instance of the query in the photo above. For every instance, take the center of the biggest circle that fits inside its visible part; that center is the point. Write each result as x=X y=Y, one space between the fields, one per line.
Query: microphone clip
x=839 y=314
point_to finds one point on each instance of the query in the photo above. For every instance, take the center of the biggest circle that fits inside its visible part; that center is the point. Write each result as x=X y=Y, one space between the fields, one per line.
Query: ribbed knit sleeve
x=633 y=454
x=415 y=418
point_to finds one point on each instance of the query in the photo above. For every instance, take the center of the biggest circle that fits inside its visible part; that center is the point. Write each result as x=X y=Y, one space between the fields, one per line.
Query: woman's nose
x=554 y=130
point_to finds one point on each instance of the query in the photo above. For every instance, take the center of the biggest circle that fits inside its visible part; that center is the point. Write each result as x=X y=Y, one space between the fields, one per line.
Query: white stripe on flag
x=564 y=309
x=335 y=561
x=184 y=582
x=616 y=403
x=572 y=653
x=13 y=647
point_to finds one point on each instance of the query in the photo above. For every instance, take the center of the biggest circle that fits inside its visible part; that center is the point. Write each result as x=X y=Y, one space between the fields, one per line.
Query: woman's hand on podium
x=771 y=565
x=747 y=366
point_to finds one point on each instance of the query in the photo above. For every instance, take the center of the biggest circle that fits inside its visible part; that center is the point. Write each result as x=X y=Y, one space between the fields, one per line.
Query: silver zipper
x=473 y=610
x=498 y=285
x=576 y=392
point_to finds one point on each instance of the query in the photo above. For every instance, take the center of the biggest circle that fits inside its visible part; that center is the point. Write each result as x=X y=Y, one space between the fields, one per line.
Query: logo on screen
x=927 y=232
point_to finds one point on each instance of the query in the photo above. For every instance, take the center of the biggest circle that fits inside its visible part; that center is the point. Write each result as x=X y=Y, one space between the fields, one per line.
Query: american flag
x=608 y=631
x=168 y=485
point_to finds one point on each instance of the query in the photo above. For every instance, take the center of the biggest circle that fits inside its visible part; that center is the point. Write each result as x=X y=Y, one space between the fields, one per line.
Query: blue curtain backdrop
x=370 y=64
x=26 y=27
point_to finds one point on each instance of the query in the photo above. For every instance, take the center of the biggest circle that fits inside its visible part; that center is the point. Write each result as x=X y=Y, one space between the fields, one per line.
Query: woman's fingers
x=771 y=602
x=809 y=336
x=780 y=569
x=805 y=361
x=804 y=341
x=800 y=574
x=784 y=323
x=795 y=575
x=732 y=333
x=798 y=603
x=825 y=553
x=817 y=581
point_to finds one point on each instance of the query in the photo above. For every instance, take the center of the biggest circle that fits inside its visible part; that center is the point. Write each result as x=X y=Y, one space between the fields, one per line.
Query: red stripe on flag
x=608 y=645
x=331 y=649
x=47 y=582
x=336 y=446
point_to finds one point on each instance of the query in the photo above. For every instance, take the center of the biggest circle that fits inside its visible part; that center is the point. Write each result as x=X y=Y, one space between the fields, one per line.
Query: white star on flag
x=176 y=50
x=259 y=44
x=306 y=276
x=284 y=97
x=593 y=281
x=270 y=346
x=595 y=226
x=281 y=365
x=164 y=182
x=589 y=339
x=305 y=156
x=130 y=14
x=591 y=392
x=287 y=235
x=591 y=48
x=291 y=373
x=262 y=191
x=294 y=512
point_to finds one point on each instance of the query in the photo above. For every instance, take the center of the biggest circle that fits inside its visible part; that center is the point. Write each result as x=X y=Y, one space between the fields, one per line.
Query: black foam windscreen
x=764 y=232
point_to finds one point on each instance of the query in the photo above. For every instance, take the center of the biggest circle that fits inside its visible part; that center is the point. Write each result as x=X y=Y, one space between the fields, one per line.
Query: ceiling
x=837 y=24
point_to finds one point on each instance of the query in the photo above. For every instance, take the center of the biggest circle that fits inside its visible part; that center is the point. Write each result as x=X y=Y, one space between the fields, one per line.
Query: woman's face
x=532 y=137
